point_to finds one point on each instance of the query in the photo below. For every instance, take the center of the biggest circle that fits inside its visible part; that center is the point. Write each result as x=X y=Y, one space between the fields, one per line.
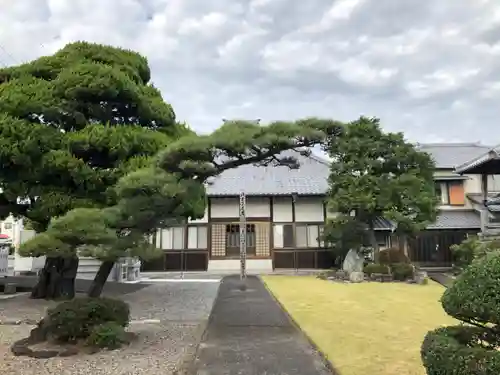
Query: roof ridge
x=319 y=159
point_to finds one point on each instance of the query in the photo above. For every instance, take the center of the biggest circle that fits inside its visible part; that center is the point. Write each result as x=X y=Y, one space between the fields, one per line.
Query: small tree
x=470 y=349
x=173 y=189
x=380 y=174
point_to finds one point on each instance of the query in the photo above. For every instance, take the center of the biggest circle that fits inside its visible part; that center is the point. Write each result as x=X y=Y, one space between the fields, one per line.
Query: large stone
x=353 y=262
x=356 y=277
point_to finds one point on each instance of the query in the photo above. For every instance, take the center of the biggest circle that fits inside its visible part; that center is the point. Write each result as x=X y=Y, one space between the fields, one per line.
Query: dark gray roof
x=493 y=200
x=309 y=179
x=451 y=155
x=381 y=223
x=488 y=162
x=457 y=219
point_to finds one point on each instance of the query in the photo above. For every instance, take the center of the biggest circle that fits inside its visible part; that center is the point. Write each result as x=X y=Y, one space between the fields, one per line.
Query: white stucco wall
x=309 y=209
x=229 y=207
x=282 y=210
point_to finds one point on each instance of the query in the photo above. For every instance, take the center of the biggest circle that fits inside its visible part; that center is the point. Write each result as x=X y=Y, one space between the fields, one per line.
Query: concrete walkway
x=249 y=334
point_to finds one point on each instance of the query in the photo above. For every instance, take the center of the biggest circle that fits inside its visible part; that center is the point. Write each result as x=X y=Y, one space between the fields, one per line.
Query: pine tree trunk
x=100 y=279
x=56 y=279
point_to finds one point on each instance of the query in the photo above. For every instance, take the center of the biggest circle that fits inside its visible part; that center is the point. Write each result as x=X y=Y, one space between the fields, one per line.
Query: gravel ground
x=182 y=308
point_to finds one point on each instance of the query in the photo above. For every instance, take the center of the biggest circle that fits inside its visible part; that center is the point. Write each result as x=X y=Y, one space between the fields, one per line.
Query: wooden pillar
x=484 y=209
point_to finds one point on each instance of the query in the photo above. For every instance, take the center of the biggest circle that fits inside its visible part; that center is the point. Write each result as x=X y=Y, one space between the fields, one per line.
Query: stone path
x=249 y=334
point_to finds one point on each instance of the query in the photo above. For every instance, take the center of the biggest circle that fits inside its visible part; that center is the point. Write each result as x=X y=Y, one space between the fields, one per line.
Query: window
x=306 y=236
x=197 y=237
x=7 y=226
x=233 y=239
x=170 y=238
x=451 y=192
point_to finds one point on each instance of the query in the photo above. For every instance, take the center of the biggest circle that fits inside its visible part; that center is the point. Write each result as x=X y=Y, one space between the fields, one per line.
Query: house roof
x=451 y=155
x=493 y=200
x=309 y=179
x=488 y=163
x=457 y=219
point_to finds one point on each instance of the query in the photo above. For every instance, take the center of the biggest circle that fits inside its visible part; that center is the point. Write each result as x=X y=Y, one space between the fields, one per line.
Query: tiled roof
x=309 y=179
x=457 y=219
x=382 y=224
x=451 y=155
x=485 y=162
x=493 y=200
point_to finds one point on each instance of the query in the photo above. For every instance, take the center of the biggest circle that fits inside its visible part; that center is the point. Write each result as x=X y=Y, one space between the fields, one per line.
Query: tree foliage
x=378 y=174
x=72 y=124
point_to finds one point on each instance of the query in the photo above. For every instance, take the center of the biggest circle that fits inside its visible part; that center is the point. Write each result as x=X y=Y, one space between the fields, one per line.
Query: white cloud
x=419 y=65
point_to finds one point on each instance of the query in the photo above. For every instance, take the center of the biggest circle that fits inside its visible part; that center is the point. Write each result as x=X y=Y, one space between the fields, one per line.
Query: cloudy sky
x=428 y=68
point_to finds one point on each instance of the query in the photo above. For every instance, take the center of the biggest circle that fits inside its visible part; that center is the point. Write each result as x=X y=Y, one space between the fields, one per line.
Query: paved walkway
x=249 y=334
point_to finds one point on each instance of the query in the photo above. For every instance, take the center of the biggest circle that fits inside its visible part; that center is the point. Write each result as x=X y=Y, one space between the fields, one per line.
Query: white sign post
x=243 y=237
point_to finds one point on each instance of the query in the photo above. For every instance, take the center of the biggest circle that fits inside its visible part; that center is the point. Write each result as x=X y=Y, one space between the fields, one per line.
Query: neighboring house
x=461 y=203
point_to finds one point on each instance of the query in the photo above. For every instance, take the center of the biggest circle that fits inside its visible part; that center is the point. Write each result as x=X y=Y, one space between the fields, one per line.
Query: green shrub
x=455 y=351
x=75 y=319
x=392 y=255
x=473 y=298
x=474 y=295
x=372 y=268
x=108 y=335
x=402 y=271
x=470 y=249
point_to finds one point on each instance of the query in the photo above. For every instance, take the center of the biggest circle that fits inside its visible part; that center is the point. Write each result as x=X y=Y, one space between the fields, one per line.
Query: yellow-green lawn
x=366 y=328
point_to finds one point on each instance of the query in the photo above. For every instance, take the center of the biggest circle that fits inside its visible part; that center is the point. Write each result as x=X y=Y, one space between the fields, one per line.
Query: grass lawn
x=367 y=328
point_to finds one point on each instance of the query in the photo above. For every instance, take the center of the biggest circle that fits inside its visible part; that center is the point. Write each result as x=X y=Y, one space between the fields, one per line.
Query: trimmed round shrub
x=455 y=351
x=392 y=255
x=473 y=298
x=75 y=319
x=402 y=271
x=372 y=268
x=475 y=294
x=108 y=335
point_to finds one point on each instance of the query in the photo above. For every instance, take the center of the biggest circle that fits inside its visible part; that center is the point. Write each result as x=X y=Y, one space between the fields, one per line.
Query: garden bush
x=75 y=319
x=108 y=335
x=392 y=255
x=470 y=349
x=470 y=249
x=402 y=271
x=372 y=268
x=455 y=351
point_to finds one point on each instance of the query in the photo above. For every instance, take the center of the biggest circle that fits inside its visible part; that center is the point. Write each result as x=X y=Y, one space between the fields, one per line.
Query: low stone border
x=18 y=322
x=21 y=348
x=33 y=322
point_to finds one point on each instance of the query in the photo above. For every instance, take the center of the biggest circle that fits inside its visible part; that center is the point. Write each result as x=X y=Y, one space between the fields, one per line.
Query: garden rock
x=353 y=262
x=356 y=277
